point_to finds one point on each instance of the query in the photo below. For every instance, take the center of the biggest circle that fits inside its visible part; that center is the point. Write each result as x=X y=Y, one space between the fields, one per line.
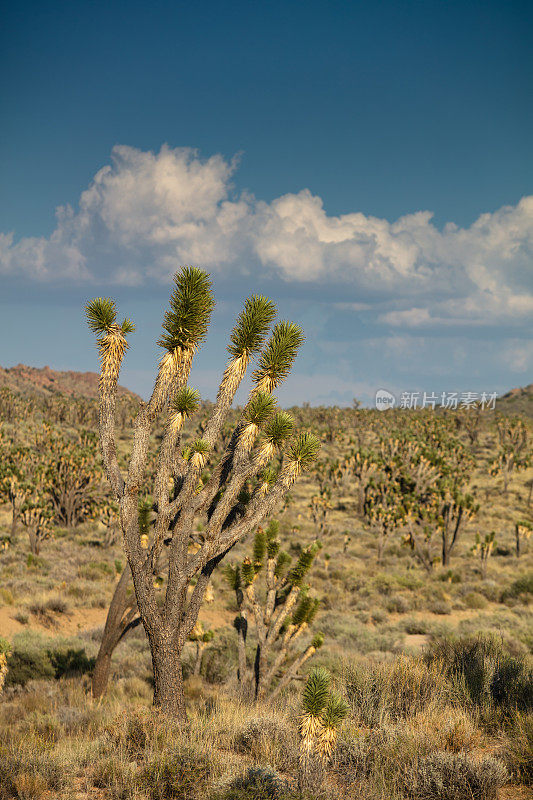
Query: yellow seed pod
x=144 y=541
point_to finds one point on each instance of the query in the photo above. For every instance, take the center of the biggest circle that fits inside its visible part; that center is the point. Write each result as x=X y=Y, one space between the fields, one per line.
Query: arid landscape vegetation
x=349 y=603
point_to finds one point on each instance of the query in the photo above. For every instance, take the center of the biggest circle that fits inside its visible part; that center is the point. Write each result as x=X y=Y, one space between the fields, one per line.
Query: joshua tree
x=202 y=638
x=320 y=506
x=259 y=465
x=281 y=613
x=36 y=516
x=514 y=454
x=522 y=532
x=483 y=548
x=383 y=510
x=363 y=465
x=72 y=476
x=322 y=713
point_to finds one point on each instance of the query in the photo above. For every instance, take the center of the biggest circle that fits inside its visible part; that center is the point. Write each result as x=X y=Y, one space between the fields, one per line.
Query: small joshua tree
x=522 y=532
x=262 y=458
x=201 y=637
x=322 y=713
x=514 y=453
x=281 y=614
x=483 y=548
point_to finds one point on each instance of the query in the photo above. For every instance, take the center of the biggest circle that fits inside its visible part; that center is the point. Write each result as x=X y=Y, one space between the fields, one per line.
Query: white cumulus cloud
x=147 y=213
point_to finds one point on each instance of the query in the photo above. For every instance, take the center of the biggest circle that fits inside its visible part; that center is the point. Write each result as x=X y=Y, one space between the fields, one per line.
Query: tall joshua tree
x=262 y=456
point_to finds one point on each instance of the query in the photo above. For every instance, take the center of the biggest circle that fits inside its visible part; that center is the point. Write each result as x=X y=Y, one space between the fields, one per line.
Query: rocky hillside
x=517 y=401
x=45 y=381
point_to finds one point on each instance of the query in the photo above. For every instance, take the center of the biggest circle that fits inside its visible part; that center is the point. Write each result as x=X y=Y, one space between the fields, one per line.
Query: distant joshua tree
x=281 y=613
x=262 y=457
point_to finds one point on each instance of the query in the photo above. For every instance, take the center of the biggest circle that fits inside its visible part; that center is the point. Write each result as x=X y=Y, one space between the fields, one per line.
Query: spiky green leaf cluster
x=232 y=575
x=303 y=565
x=127 y=326
x=191 y=303
x=335 y=711
x=247 y=572
x=101 y=314
x=316 y=692
x=252 y=326
x=260 y=408
x=268 y=475
x=259 y=549
x=277 y=358
x=200 y=446
x=186 y=401
x=279 y=428
x=317 y=641
x=304 y=449
x=273 y=545
x=304 y=609
x=282 y=564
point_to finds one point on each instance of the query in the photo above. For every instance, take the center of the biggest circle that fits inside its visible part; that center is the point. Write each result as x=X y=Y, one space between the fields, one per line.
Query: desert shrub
x=519 y=589
x=178 y=774
x=397 y=604
x=259 y=783
x=47 y=607
x=6 y=596
x=415 y=626
x=454 y=776
x=28 y=774
x=389 y=692
x=475 y=600
x=489 y=674
x=96 y=570
x=35 y=658
x=268 y=740
x=517 y=751
x=70 y=661
x=29 y=660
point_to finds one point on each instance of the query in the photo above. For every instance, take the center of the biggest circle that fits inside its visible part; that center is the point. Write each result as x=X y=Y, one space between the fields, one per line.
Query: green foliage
x=101 y=314
x=277 y=358
x=35 y=658
x=282 y=562
x=304 y=450
x=521 y=587
x=489 y=674
x=186 y=401
x=316 y=694
x=259 y=549
x=252 y=326
x=247 y=572
x=335 y=712
x=304 y=564
x=279 y=428
x=191 y=304
x=260 y=408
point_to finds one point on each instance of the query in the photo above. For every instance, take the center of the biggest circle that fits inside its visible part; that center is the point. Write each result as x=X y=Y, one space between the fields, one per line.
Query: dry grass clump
x=383 y=693
x=454 y=776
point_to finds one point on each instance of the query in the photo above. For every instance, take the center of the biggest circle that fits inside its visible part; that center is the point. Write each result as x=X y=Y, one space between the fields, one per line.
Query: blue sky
x=368 y=165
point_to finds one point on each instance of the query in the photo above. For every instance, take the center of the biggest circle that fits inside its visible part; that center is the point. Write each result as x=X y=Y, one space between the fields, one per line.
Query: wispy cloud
x=146 y=213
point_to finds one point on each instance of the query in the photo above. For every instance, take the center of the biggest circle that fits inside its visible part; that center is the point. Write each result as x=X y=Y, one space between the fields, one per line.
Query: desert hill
x=46 y=381
x=517 y=401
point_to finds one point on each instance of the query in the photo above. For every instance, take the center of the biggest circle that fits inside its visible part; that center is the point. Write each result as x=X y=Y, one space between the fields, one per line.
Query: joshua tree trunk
x=169 y=695
x=121 y=618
